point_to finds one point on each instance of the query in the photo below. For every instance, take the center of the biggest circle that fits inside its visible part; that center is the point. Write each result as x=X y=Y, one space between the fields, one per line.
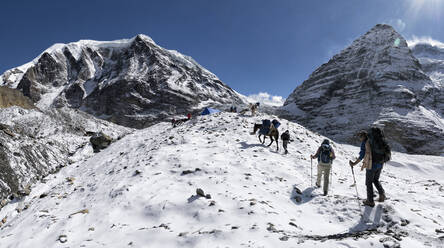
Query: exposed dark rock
x=100 y=141
x=200 y=192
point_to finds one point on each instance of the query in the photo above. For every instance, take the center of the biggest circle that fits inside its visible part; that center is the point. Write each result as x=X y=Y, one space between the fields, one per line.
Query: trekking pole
x=356 y=187
x=311 y=169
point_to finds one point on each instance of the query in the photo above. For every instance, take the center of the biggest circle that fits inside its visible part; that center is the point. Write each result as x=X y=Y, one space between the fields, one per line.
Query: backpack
x=276 y=123
x=265 y=127
x=381 y=152
x=324 y=155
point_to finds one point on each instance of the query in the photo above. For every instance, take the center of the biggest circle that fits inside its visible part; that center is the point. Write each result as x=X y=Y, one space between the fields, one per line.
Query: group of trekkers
x=374 y=152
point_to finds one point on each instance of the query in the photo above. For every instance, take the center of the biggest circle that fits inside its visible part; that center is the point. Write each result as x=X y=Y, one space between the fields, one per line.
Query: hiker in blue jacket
x=373 y=166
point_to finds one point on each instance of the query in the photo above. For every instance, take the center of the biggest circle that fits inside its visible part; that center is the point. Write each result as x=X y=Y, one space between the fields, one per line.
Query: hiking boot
x=317 y=185
x=286 y=152
x=325 y=193
x=368 y=203
x=381 y=198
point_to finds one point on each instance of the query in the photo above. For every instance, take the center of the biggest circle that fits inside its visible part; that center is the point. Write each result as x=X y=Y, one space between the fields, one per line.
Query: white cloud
x=267 y=99
x=398 y=24
x=425 y=40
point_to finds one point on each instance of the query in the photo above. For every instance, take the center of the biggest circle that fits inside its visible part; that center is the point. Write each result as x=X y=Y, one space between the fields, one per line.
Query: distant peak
x=383 y=26
x=381 y=34
x=142 y=37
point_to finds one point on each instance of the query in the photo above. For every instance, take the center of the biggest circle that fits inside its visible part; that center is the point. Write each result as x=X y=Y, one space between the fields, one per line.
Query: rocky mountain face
x=431 y=58
x=375 y=81
x=131 y=82
x=35 y=143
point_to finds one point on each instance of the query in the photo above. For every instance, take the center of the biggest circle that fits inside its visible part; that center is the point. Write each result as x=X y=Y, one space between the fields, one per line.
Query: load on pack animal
x=268 y=128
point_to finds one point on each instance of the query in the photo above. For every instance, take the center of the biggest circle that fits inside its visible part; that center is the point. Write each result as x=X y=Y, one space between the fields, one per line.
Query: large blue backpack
x=265 y=127
x=276 y=123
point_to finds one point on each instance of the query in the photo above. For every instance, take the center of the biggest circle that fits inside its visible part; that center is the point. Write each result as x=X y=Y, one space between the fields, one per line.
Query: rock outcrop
x=374 y=81
x=11 y=97
x=100 y=141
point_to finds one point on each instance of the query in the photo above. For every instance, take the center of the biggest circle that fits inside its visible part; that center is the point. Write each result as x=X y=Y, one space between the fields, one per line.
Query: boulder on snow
x=200 y=192
x=7 y=130
x=100 y=141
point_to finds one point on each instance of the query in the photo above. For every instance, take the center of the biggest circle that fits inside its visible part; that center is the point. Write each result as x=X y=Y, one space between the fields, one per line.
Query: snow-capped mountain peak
x=375 y=81
x=133 y=82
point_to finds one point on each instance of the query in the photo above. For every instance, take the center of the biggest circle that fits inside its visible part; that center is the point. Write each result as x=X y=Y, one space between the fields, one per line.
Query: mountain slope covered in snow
x=141 y=192
x=35 y=143
x=132 y=82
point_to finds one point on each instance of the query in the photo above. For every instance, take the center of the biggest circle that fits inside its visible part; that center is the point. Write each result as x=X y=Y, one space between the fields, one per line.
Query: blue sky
x=252 y=45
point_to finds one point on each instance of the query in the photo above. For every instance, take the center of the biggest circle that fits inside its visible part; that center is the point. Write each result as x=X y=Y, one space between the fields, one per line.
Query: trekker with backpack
x=374 y=153
x=285 y=139
x=325 y=155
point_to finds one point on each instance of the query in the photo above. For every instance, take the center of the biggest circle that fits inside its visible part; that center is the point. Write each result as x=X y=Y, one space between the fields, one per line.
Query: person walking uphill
x=325 y=155
x=285 y=139
x=374 y=153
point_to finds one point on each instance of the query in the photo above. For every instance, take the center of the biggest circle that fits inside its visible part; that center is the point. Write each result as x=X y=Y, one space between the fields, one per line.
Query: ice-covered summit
x=132 y=82
x=375 y=81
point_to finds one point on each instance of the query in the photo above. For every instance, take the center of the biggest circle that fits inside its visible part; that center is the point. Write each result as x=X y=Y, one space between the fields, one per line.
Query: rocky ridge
x=35 y=143
x=375 y=81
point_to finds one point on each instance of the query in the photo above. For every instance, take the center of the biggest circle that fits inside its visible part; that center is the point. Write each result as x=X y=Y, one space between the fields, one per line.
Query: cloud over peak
x=267 y=99
x=424 y=40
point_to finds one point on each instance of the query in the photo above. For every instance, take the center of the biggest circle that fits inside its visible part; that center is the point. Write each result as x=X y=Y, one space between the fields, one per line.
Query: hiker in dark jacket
x=373 y=168
x=325 y=155
x=285 y=139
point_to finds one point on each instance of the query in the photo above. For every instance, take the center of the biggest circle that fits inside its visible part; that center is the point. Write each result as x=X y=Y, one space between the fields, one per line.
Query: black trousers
x=284 y=144
x=372 y=177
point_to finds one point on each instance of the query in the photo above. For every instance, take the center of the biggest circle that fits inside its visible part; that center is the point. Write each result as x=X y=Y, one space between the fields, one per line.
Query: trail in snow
x=141 y=192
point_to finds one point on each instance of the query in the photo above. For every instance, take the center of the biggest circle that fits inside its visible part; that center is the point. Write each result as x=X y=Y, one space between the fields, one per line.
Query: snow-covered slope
x=132 y=82
x=141 y=192
x=376 y=80
x=35 y=143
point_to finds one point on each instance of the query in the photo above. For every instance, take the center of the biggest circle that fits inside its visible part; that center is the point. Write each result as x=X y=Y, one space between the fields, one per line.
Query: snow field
x=141 y=192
